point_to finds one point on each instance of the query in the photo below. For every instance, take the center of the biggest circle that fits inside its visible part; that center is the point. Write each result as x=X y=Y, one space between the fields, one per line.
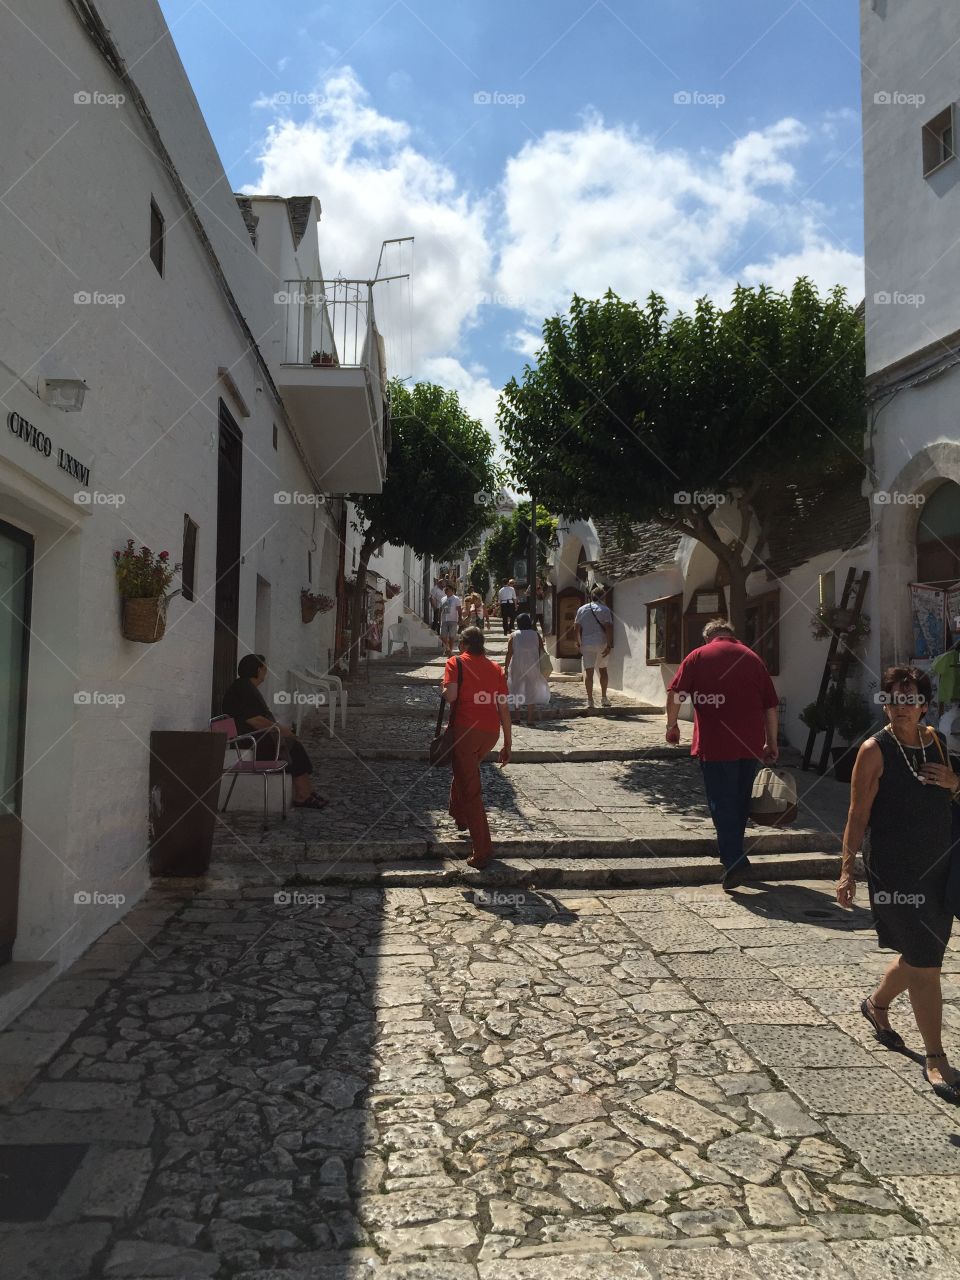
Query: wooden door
x=16 y=574
x=227 y=592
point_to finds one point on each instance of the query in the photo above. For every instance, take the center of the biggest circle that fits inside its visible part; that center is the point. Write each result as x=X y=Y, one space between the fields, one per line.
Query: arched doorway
x=905 y=556
x=938 y=538
x=935 y=600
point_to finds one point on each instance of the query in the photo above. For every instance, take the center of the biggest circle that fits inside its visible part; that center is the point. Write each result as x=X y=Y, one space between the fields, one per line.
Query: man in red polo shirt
x=734 y=728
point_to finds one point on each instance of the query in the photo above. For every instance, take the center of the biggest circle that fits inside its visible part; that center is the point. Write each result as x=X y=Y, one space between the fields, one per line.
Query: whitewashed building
x=156 y=337
x=912 y=213
x=663 y=587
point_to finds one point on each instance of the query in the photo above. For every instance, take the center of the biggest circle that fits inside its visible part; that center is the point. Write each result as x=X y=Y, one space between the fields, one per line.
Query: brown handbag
x=441 y=748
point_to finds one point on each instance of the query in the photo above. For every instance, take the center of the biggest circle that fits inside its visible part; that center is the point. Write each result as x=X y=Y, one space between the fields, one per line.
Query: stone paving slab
x=426 y=1083
x=853 y=1091
x=935 y=1197
x=897 y=1145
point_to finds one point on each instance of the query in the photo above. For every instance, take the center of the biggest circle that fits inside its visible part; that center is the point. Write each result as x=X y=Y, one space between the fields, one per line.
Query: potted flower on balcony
x=143 y=579
x=392 y=589
x=325 y=358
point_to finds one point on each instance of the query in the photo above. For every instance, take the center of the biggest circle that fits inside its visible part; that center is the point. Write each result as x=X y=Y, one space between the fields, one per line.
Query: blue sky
x=584 y=169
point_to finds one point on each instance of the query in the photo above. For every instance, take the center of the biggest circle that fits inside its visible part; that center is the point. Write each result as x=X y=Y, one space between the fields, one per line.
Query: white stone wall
x=149 y=429
x=627 y=663
x=913 y=276
x=910 y=221
x=389 y=564
x=802 y=657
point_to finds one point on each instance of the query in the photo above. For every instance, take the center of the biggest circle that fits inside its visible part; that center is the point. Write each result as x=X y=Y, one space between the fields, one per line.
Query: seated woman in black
x=245 y=704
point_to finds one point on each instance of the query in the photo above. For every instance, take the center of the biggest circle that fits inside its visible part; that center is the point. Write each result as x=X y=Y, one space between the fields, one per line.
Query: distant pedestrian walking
x=902 y=788
x=507 y=595
x=593 y=626
x=480 y=712
x=735 y=727
x=437 y=597
x=528 y=688
x=451 y=617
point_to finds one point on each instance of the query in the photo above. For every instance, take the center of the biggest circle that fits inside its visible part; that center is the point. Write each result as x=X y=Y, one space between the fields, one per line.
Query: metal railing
x=331 y=323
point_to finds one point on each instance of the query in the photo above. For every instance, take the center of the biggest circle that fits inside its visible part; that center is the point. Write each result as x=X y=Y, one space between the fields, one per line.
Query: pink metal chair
x=265 y=769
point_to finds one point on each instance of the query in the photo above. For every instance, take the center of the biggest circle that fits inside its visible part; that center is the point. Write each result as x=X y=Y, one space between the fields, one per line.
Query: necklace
x=906 y=759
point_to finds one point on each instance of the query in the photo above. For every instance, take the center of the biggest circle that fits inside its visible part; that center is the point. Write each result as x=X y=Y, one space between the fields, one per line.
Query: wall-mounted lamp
x=63 y=393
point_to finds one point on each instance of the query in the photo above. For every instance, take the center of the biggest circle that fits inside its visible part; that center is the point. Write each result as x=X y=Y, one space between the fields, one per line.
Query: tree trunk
x=731 y=556
x=738 y=598
x=357 y=621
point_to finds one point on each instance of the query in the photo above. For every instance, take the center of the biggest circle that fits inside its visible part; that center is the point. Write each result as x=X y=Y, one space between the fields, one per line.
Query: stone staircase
x=573 y=862
x=421 y=636
x=312 y=851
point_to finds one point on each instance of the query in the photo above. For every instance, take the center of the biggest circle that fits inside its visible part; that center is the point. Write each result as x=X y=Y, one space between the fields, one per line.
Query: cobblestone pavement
x=380 y=789
x=390 y=805
x=427 y=1085
x=391 y=800
x=370 y=735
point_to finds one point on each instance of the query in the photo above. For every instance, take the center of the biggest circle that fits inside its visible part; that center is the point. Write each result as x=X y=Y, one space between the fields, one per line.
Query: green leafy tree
x=510 y=538
x=440 y=488
x=632 y=415
x=480 y=577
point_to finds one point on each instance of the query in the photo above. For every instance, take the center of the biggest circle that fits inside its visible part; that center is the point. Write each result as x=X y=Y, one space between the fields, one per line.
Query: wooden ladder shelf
x=837 y=666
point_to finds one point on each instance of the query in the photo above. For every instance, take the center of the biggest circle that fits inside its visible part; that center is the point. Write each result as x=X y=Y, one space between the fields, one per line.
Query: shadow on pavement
x=799 y=904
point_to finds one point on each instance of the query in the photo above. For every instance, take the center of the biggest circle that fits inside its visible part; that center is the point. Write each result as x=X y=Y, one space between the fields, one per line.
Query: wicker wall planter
x=311 y=605
x=145 y=621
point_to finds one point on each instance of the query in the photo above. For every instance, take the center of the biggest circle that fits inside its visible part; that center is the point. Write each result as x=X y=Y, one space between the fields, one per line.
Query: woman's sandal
x=948 y=1092
x=889 y=1038
x=311 y=802
x=478 y=863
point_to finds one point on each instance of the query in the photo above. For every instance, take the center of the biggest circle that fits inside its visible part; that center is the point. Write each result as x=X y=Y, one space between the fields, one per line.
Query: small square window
x=938 y=141
x=156 y=236
x=188 y=573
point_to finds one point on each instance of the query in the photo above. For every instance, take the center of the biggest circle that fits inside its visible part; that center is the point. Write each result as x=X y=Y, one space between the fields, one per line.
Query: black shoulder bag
x=441 y=748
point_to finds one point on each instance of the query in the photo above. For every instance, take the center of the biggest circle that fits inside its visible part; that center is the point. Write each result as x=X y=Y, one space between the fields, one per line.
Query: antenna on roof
x=383 y=245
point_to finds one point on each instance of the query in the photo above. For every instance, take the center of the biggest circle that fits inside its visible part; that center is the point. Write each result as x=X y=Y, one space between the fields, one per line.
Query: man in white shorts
x=594 y=630
x=507 y=595
x=451 y=612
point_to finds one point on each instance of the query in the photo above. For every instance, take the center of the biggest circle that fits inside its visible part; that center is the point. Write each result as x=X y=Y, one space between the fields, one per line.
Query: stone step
x=370 y=707
x=522 y=755
x=529 y=873
x=286 y=849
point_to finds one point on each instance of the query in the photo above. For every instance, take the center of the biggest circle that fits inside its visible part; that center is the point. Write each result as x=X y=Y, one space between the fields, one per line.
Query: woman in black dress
x=902 y=788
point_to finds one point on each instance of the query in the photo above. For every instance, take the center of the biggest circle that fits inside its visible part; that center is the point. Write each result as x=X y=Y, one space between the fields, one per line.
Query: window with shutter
x=664 y=630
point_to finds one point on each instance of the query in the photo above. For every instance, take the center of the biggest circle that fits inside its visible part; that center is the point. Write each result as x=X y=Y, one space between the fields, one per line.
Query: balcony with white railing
x=333 y=380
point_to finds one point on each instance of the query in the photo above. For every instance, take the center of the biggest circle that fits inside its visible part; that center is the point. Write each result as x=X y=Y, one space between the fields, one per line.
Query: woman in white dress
x=525 y=681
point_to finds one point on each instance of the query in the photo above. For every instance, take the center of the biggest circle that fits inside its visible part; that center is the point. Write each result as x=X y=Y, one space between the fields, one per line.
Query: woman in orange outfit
x=481 y=711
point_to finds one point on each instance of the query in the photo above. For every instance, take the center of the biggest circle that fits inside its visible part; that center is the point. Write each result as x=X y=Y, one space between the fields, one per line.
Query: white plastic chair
x=337 y=691
x=301 y=680
x=398 y=636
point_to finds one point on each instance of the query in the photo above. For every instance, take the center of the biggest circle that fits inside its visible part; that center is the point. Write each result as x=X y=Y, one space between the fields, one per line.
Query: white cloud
x=825 y=263
x=602 y=207
x=527 y=342
x=373 y=185
x=477 y=393
x=577 y=210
